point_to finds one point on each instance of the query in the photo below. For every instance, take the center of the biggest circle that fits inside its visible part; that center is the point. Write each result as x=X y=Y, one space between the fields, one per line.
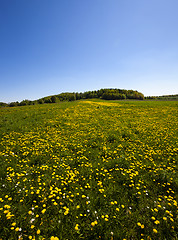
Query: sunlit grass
x=89 y=170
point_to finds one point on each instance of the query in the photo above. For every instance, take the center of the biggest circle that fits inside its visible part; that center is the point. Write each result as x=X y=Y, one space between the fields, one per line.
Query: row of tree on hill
x=164 y=97
x=107 y=94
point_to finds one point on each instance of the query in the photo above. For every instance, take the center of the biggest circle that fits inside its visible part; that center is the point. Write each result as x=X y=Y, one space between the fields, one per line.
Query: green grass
x=89 y=169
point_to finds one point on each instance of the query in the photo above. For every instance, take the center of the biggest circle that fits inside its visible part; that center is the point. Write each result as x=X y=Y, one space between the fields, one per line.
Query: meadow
x=89 y=169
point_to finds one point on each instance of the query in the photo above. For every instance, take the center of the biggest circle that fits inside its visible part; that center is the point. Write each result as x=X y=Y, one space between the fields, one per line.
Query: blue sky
x=53 y=46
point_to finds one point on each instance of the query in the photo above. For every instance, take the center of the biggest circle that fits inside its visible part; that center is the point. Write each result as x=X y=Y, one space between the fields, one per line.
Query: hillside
x=107 y=94
x=89 y=170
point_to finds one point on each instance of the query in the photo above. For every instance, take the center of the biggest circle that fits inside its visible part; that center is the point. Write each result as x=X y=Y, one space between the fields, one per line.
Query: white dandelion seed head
x=32 y=220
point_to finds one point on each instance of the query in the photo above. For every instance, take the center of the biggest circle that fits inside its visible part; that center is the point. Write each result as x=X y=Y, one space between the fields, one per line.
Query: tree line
x=164 y=97
x=107 y=94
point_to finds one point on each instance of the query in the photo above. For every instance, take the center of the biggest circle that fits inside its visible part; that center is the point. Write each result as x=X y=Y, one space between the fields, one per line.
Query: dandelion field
x=90 y=169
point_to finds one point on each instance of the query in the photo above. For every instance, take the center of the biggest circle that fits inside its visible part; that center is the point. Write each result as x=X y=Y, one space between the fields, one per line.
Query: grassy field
x=89 y=170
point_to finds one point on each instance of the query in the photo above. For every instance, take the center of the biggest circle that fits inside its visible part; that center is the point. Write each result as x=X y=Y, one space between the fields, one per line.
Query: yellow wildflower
x=43 y=211
x=77 y=227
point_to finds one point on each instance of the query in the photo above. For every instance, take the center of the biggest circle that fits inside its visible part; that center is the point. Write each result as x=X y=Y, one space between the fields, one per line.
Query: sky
x=53 y=46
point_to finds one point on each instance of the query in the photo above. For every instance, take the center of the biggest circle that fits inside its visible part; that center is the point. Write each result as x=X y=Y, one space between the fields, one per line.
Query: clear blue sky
x=53 y=46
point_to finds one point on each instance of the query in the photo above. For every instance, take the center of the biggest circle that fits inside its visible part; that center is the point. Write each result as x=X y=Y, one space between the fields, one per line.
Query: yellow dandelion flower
x=43 y=211
x=77 y=227
x=93 y=224
x=157 y=222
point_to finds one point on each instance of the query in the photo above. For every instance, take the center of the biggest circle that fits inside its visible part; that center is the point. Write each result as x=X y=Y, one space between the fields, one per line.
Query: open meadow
x=90 y=169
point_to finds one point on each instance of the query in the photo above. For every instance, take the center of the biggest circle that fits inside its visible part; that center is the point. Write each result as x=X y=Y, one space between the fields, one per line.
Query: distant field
x=89 y=170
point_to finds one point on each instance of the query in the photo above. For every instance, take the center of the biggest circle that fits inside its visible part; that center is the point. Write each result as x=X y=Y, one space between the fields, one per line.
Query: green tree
x=53 y=99
x=40 y=101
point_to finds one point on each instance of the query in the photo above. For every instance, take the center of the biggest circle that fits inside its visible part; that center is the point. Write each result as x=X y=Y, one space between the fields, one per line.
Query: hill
x=89 y=170
x=107 y=94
